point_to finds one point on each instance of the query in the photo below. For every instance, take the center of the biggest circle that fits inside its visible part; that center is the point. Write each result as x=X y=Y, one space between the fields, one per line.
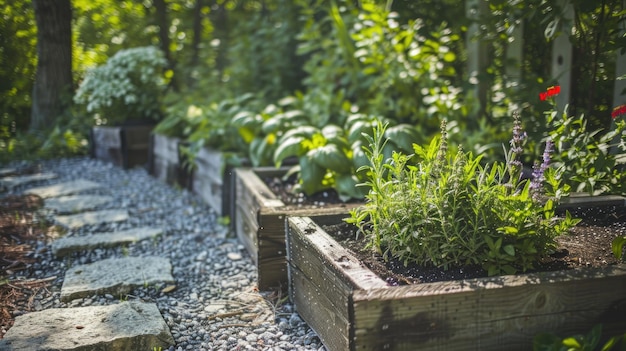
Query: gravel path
x=214 y=304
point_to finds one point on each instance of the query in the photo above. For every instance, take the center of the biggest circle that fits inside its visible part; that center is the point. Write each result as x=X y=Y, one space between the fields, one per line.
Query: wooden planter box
x=167 y=162
x=125 y=146
x=584 y=200
x=213 y=180
x=351 y=308
x=259 y=221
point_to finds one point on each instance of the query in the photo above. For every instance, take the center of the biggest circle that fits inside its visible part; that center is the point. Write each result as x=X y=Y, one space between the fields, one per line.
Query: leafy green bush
x=588 y=342
x=328 y=157
x=129 y=86
x=589 y=158
x=436 y=208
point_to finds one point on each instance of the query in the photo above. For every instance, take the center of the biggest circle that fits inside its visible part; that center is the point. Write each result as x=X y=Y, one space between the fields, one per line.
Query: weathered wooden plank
x=165 y=161
x=207 y=177
x=489 y=313
x=246 y=227
x=136 y=145
x=474 y=314
x=260 y=223
x=106 y=144
x=575 y=200
x=316 y=307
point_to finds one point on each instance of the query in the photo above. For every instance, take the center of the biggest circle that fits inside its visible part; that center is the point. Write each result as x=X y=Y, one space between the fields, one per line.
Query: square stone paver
x=124 y=326
x=90 y=218
x=115 y=276
x=66 y=188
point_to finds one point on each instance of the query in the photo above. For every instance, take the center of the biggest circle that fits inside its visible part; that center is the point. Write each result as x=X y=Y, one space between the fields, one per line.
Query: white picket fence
x=561 y=54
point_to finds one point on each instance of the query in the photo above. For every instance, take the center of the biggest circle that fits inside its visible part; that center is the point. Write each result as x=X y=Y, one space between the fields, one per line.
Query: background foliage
x=399 y=60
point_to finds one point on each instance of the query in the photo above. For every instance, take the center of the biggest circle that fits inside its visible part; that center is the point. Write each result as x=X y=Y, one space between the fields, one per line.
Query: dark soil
x=19 y=227
x=588 y=244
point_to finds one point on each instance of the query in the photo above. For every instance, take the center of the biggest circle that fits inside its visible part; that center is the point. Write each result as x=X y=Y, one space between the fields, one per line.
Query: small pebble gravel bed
x=213 y=305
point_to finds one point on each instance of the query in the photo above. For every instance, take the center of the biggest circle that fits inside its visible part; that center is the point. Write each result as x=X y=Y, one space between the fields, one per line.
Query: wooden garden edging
x=351 y=308
x=167 y=162
x=124 y=146
x=259 y=222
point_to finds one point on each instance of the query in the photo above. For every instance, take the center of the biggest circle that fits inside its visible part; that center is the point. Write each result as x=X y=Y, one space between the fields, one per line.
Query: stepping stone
x=12 y=182
x=7 y=171
x=115 y=276
x=124 y=326
x=67 y=245
x=76 y=203
x=67 y=188
x=94 y=217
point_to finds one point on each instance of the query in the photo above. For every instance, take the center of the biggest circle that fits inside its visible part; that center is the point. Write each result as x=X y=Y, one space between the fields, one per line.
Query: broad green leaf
x=332 y=131
x=311 y=175
x=291 y=146
x=304 y=131
x=346 y=186
x=247 y=134
x=331 y=157
x=403 y=136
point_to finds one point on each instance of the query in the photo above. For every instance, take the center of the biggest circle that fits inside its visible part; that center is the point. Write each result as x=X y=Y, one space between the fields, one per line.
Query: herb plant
x=589 y=342
x=590 y=158
x=446 y=209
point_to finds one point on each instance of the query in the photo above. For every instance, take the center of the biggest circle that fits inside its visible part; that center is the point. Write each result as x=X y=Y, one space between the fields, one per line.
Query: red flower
x=618 y=111
x=551 y=91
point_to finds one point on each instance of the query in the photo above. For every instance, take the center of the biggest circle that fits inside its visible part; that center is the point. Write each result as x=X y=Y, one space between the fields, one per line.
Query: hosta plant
x=436 y=207
x=329 y=157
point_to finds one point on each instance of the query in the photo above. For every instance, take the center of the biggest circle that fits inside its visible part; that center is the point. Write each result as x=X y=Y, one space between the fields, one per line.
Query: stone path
x=122 y=326
x=76 y=203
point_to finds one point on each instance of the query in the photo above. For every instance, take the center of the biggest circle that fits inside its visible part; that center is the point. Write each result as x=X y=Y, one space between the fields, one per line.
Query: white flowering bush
x=129 y=86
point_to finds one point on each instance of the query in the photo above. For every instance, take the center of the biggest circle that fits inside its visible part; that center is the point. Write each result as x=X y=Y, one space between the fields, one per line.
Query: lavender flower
x=517 y=142
x=536 y=184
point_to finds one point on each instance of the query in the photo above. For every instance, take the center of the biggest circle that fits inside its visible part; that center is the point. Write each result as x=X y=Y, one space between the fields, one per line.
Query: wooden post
x=514 y=58
x=562 y=55
x=620 y=85
x=476 y=50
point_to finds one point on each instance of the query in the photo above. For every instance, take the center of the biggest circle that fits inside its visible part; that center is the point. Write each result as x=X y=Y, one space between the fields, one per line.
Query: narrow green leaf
x=618 y=246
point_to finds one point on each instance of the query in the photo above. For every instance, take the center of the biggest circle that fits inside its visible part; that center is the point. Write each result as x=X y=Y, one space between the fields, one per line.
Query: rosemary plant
x=449 y=210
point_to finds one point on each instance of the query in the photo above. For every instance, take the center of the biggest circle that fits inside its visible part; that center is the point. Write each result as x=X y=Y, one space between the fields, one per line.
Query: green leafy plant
x=589 y=158
x=443 y=209
x=328 y=157
x=589 y=342
x=129 y=86
x=617 y=246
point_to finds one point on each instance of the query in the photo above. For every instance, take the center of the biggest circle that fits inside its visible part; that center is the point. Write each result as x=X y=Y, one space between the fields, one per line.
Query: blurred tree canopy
x=273 y=48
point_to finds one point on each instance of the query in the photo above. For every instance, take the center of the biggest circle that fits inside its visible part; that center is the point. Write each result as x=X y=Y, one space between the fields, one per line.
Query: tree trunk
x=197 y=33
x=164 y=39
x=53 y=79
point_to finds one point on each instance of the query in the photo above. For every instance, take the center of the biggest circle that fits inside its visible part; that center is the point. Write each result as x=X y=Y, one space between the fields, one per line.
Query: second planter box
x=259 y=222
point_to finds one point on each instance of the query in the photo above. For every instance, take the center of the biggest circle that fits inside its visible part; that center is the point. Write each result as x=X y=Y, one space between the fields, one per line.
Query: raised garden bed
x=259 y=222
x=213 y=180
x=124 y=146
x=352 y=308
x=167 y=162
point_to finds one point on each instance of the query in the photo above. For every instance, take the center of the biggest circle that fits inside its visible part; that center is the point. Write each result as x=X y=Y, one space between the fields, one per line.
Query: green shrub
x=579 y=342
x=589 y=158
x=443 y=209
x=129 y=86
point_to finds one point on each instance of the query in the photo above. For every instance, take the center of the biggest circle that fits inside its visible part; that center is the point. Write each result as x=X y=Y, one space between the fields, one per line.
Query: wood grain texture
x=476 y=314
x=260 y=223
x=575 y=200
x=207 y=177
x=164 y=160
